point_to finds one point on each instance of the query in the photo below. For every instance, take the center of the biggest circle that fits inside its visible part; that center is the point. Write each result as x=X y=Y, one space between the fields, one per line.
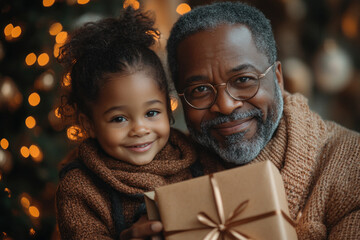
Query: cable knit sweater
x=85 y=193
x=320 y=164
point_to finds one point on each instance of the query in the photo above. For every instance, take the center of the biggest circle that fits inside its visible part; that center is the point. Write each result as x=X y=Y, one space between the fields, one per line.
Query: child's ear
x=87 y=124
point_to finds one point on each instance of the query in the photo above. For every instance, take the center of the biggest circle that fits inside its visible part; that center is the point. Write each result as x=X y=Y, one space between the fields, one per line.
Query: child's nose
x=139 y=129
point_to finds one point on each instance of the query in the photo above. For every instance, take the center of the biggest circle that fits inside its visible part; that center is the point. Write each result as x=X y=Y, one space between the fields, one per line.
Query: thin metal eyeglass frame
x=260 y=76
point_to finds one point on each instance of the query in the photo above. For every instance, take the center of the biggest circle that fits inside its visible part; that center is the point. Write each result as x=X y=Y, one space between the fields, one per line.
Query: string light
x=61 y=37
x=174 y=104
x=133 y=3
x=30 y=122
x=16 y=32
x=183 y=8
x=36 y=153
x=55 y=28
x=43 y=59
x=48 y=3
x=4 y=143
x=24 y=151
x=34 y=99
x=25 y=202
x=82 y=2
x=34 y=211
x=8 y=29
x=30 y=59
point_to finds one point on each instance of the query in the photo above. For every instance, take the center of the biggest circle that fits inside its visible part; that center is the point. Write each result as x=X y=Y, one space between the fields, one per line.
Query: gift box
x=246 y=202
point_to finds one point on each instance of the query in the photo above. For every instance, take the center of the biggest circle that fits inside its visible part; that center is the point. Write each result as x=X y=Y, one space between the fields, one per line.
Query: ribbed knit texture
x=83 y=207
x=320 y=164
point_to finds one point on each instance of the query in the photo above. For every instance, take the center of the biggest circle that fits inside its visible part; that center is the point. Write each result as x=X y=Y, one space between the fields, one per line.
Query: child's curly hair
x=111 y=45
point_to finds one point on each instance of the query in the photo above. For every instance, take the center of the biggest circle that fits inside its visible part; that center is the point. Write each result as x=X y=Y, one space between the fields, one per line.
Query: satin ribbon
x=226 y=225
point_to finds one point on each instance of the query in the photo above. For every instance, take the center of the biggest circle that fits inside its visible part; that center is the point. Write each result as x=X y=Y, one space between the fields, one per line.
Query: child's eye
x=152 y=113
x=118 y=119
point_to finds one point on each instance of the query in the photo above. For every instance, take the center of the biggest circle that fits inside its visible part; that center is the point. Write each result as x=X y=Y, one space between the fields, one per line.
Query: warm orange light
x=25 y=202
x=174 y=104
x=183 y=8
x=133 y=3
x=81 y=2
x=34 y=211
x=56 y=112
x=350 y=26
x=61 y=37
x=4 y=143
x=48 y=3
x=32 y=232
x=8 y=29
x=155 y=35
x=55 y=28
x=24 y=152
x=67 y=80
x=34 y=99
x=30 y=59
x=34 y=151
x=56 y=51
x=74 y=133
x=30 y=122
x=16 y=32
x=8 y=192
x=43 y=59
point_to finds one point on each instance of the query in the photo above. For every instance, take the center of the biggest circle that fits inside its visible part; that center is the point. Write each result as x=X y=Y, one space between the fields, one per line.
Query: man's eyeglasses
x=241 y=87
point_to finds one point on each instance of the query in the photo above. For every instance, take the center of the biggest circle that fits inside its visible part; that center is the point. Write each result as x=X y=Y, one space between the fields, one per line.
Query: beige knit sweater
x=320 y=165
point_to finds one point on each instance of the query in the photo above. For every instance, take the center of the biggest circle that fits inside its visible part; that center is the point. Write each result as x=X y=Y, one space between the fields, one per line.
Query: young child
x=120 y=98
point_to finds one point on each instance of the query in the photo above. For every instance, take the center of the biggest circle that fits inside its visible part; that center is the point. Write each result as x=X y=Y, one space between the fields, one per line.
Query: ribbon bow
x=225 y=227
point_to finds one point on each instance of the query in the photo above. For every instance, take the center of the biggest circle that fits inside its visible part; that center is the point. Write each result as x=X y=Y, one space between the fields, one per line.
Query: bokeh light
x=8 y=29
x=82 y=2
x=34 y=99
x=30 y=59
x=174 y=104
x=48 y=3
x=183 y=8
x=16 y=32
x=61 y=37
x=30 y=122
x=4 y=143
x=133 y=3
x=34 y=211
x=25 y=202
x=43 y=59
x=24 y=151
x=55 y=28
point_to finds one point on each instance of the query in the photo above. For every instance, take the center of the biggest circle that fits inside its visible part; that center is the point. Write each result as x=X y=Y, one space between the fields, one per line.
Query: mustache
x=236 y=115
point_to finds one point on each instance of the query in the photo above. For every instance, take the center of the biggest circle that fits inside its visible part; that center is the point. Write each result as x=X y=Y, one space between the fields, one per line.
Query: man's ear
x=279 y=76
x=87 y=124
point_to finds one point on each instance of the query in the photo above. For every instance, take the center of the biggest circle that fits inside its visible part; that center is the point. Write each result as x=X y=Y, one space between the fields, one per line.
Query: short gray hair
x=210 y=16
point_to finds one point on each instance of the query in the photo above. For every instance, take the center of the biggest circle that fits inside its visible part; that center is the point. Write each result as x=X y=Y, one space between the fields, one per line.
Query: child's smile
x=130 y=119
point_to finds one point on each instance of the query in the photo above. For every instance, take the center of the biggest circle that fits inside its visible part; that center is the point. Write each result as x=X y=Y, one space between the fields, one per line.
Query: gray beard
x=236 y=149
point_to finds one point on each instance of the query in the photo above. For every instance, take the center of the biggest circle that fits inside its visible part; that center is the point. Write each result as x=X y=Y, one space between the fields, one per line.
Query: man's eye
x=201 y=89
x=118 y=119
x=152 y=113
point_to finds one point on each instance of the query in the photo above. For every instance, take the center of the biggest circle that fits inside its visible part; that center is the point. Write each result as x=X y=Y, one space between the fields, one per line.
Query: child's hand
x=142 y=229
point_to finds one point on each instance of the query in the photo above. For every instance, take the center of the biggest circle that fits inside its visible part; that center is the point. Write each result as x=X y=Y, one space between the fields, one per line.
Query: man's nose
x=139 y=129
x=224 y=103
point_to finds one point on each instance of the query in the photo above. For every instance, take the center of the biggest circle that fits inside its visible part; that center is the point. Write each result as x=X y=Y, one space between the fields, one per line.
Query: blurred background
x=318 y=42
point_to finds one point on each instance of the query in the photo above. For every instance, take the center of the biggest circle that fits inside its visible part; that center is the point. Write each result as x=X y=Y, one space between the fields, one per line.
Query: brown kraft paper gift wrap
x=254 y=192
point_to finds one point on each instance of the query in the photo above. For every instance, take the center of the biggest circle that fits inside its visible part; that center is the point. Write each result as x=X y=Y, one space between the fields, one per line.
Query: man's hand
x=142 y=229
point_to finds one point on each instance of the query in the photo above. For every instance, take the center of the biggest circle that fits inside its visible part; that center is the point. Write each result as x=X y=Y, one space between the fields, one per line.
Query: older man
x=223 y=62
